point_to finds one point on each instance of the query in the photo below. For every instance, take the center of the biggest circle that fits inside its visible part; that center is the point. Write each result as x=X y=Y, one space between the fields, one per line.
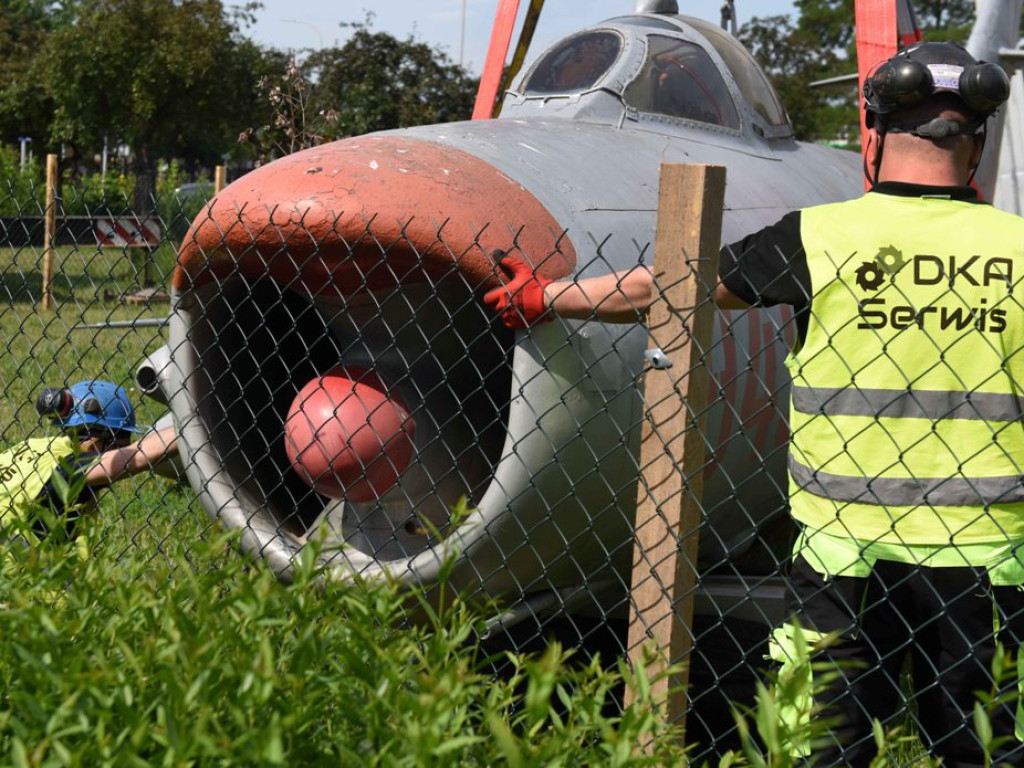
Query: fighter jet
x=516 y=468
x=371 y=254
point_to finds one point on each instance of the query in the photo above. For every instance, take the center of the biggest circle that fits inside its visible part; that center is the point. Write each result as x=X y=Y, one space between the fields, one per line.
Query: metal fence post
x=672 y=449
x=49 y=229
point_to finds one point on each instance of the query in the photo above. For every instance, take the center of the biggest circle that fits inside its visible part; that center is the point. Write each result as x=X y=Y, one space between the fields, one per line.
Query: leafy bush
x=179 y=201
x=22 y=191
x=148 y=662
x=97 y=195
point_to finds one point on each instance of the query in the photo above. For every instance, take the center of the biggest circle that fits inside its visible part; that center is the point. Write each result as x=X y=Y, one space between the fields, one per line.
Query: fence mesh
x=515 y=453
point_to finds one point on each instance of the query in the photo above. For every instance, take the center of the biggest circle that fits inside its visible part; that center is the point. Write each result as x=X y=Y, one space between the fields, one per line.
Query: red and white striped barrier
x=127 y=231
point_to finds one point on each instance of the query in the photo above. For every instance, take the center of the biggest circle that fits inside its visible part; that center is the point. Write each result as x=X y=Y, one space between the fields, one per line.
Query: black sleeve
x=768 y=267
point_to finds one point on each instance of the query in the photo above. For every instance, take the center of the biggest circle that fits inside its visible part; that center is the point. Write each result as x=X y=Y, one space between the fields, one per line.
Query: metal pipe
x=657 y=6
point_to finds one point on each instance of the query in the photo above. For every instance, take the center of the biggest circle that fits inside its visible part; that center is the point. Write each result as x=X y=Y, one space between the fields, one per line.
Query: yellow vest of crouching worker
x=25 y=468
x=906 y=402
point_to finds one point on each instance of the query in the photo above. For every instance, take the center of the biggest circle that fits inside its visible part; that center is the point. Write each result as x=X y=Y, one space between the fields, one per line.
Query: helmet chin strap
x=880 y=133
x=984 y=138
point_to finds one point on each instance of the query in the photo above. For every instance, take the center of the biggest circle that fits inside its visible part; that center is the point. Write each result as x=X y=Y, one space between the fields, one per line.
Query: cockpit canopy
x=663 y=66
x=679 y=79
x=577 y=64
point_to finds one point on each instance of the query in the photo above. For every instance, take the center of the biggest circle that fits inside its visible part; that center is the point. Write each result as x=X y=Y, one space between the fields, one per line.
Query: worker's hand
x=520 y=302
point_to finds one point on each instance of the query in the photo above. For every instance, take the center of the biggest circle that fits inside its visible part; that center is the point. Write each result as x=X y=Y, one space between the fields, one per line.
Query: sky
x=299 y=24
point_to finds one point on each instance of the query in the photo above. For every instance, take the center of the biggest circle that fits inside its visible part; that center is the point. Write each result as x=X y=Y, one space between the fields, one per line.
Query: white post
x=24 y=141
x=462 y=34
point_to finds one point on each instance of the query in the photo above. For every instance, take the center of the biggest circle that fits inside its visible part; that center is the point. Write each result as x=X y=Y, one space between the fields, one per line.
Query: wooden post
x=220 y=174
x=49 y=229
x=669 y=506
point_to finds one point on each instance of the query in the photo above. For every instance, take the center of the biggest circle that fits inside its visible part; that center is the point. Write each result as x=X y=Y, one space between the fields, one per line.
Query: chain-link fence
x=344 y=383
x=105 y=269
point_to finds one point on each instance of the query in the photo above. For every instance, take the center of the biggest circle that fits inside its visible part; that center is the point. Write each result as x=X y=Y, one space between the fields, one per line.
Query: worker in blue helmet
x=57 y=477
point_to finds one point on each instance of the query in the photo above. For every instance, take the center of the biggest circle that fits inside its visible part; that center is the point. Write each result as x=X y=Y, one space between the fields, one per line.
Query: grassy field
x=144 y=662
x=43 y=348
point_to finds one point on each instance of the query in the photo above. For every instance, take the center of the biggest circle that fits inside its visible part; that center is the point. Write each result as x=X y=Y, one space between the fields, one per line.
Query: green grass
x=43 y=348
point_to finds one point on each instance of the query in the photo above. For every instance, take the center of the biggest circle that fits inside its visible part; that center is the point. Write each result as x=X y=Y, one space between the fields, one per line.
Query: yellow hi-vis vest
x=906 y=406
x=25 y=468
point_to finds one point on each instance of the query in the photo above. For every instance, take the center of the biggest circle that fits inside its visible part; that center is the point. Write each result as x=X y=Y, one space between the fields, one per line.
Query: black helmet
x=916 y=73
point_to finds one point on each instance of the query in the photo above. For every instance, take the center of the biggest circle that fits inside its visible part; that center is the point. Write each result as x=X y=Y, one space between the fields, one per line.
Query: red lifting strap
x=501 y=38
x=877 y=36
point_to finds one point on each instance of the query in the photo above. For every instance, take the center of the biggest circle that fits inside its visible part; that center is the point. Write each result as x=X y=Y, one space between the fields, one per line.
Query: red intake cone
x=347 y=436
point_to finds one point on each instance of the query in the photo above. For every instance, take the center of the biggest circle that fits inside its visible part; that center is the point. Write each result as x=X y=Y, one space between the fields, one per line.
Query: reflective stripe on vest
x=910 y=491
x=906 y=408
x=906 y=404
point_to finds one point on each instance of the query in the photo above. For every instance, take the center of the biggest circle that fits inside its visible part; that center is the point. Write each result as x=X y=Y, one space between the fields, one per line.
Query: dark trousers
x=948 y=621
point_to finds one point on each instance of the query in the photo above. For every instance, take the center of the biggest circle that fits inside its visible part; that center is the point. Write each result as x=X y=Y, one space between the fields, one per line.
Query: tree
x=169 y=79
x=375 y=82
x=24 y=107
x=952 y=18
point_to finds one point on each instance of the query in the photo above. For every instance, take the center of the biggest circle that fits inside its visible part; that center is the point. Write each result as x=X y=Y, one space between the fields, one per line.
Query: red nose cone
x=347 y=437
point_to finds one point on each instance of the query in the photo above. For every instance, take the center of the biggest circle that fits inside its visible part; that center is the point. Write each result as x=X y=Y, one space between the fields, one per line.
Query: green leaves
x=177 y=86
x=142 y=662
x=376 y=82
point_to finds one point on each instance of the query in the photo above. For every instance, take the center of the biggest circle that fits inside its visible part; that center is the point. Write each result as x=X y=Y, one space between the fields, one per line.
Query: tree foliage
x=375 y=82
x=821 y=44
x=167 y=79
x=24 y=107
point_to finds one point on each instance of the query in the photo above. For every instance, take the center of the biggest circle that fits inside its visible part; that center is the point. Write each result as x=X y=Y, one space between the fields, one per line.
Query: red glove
x=520 y=302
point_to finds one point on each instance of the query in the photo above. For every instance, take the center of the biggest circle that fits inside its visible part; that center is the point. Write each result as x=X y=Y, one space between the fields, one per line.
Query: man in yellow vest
x=57 y=478
x=907 y=444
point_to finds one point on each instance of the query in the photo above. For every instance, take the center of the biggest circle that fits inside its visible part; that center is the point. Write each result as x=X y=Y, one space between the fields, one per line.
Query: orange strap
x=876 y=41
x=501 y=38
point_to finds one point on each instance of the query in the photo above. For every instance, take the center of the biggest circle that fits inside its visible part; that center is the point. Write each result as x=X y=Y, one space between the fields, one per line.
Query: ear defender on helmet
x=984 y=87
x=897 y=84
x=914 y=74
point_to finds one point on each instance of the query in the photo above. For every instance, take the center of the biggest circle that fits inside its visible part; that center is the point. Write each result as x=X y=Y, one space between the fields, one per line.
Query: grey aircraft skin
x=538 y=429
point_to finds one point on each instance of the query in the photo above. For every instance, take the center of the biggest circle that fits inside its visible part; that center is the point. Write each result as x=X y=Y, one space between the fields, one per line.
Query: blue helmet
x=98 y=403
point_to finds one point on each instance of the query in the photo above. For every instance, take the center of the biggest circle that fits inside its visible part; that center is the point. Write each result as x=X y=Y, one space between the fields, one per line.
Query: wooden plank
x=669 y=509
x=49 y=229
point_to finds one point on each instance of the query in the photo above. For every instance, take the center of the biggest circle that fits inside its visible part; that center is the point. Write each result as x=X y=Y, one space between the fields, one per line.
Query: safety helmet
x=923 y=70
x=101 y=404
